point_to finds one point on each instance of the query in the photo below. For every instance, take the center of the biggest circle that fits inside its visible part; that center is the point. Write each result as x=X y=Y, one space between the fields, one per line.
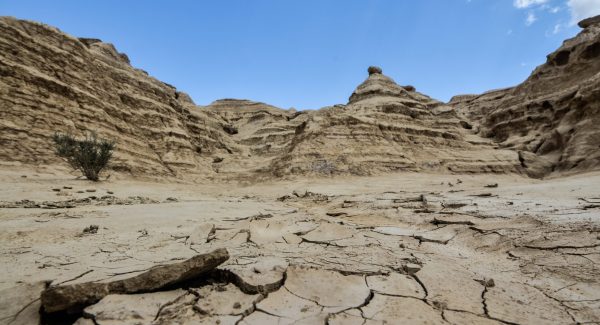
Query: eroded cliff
x=54 y=82
x=552 y=118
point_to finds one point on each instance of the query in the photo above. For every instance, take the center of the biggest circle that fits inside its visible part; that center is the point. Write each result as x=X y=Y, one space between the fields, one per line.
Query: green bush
x=90 y=155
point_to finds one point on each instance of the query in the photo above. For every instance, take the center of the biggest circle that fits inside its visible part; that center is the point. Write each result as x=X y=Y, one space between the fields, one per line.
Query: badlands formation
x=393 y=208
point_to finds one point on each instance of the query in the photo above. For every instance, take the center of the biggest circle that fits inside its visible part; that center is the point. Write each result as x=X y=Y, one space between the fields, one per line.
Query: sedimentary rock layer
x=52 y=82
x=384 y=128
x=551 y=118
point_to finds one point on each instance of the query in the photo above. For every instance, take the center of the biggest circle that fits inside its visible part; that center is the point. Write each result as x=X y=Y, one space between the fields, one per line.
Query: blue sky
x=312 y=53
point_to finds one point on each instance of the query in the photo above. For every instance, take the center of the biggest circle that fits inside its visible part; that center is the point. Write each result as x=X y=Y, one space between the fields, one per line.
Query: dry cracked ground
x=405 y=248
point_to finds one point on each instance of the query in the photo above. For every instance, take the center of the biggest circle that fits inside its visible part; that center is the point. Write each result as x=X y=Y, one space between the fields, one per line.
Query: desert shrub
x=89 y=155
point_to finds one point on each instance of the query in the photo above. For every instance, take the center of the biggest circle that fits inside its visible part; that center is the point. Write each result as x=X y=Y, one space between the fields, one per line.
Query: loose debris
x=92 y=229
x=91 y=200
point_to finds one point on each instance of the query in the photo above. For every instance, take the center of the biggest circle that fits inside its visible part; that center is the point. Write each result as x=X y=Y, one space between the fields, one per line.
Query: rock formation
x=54 y=82
x=386 y=128
x=552 y=118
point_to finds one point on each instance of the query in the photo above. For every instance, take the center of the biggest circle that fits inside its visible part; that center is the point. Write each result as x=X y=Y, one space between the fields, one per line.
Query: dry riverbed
x=404 y=248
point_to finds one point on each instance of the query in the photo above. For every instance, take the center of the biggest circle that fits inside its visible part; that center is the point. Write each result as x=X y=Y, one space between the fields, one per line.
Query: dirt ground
x=401 y=248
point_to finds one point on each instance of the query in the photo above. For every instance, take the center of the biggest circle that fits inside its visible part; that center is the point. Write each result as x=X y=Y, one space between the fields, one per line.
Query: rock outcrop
x=53 y=82
x=385 y=128
x=552 y=118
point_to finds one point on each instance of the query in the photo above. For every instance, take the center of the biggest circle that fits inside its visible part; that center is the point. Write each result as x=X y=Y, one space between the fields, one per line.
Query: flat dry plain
x=402 y=248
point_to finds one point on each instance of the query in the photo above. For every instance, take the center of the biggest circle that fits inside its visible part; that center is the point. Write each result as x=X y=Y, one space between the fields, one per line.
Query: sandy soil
x=412 y=247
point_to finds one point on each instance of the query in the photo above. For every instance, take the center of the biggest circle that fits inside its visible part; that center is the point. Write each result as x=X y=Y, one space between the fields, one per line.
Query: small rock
x=488 y=283
x=374 y=70
x=492 y=185
x=56 y=189
x=67 y=187
x=110 y=192
x=92 y=229
x=589 y=22
x=201 y=234
x=412 y=268
x=23 y=176
x=143 y=233
x=284 y=198
x=237 y=305
x=217 y=160
x=171 y=199
x=90 y=190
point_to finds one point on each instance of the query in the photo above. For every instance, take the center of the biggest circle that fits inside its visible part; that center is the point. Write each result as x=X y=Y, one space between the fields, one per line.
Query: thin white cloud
x=581 y=9
x=531 y=18
x=557 y=28
x=533 y=5
x=527 y=3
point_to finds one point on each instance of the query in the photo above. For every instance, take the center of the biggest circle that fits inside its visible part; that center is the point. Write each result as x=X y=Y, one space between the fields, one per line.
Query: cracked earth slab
x=75 y=295
x=21 y=304
x=398 y=249
x=140 y=308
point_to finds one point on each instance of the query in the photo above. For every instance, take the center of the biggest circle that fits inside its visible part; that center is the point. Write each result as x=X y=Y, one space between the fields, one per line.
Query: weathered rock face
x=54 y=82
x=386 y=128
x=258 y=132
x=553 y=116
